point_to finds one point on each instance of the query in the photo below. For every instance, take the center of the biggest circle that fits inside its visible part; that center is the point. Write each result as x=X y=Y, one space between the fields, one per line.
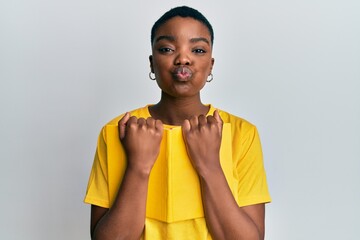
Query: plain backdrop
x=290 y=67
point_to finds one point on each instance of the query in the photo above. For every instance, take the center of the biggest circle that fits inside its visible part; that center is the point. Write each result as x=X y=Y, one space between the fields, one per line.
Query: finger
x=150 y=122
x=122 y=125
x=124 y=119
x=186 y=126
x=218 y=119
x=141 y=122
x=132 y=120
x=212 y=120
x=194 y=122
x=131 y=123
x=159 y=125
x=217 y=116
x=202 y=120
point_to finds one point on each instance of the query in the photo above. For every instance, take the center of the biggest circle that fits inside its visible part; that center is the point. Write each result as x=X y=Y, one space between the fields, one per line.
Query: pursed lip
x=182 y=73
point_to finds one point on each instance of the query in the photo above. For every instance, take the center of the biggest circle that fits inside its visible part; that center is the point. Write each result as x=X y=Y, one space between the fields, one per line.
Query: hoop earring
x=152 y=77
x=211 y=78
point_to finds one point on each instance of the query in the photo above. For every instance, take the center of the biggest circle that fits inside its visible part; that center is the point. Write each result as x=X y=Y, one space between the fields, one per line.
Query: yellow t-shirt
x=174 y=207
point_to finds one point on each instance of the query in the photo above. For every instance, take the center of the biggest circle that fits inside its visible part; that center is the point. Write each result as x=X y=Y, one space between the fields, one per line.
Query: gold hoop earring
x=152 y=77
x=211 y=78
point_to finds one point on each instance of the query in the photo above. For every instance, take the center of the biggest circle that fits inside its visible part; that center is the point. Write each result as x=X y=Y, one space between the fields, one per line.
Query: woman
x=142 y=183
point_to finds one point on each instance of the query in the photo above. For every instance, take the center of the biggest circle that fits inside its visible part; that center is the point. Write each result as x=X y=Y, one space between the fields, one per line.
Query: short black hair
x=184 y=12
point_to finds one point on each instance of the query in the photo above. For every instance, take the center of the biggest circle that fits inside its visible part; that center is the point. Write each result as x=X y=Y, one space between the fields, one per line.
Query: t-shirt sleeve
x=252 y=184
x=97 y=192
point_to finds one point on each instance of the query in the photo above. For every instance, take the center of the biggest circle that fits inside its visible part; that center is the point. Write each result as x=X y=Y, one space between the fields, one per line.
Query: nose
x=182 y=58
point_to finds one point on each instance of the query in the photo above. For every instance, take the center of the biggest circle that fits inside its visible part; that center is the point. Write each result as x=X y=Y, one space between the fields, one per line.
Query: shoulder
x=112 y=125
x=138 y=112
x=237 y=123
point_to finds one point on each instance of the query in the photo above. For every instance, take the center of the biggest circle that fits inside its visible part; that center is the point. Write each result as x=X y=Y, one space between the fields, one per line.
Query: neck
x=174 y=111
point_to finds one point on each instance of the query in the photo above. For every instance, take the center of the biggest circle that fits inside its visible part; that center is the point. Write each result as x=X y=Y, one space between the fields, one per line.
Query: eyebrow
x=166 y=37
x=172 y=39
x=200 y=39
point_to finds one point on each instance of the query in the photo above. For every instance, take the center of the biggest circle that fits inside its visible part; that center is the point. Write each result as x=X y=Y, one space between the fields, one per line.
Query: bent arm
x=225 y=219
x=126 y=218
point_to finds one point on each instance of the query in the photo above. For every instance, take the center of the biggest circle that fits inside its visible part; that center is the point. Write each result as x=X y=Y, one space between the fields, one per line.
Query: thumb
x=186 y=126
x=159 y=126
x=122 y=125
x=218 y=119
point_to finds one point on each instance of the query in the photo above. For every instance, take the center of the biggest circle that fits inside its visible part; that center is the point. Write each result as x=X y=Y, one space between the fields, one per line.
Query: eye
x=165 y=50
x=199 y=51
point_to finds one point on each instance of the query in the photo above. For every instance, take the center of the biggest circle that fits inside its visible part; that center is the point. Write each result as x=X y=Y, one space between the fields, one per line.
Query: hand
x=202 y=137
x=141 y=139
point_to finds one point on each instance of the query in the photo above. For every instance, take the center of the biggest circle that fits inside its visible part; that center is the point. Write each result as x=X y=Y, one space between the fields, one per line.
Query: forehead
x=183 y=26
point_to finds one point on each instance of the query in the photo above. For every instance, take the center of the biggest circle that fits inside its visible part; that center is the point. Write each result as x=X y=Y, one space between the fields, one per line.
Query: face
x=181 y=57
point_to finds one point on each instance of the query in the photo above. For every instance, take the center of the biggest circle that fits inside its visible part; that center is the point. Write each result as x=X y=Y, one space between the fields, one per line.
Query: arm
x=125 y=219
x=225 y=219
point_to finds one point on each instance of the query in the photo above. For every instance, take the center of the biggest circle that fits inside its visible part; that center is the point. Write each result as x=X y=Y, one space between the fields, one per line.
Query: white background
x=290 y=67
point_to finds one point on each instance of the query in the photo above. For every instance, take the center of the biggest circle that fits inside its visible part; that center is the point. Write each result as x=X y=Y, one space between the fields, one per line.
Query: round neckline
x=168 y=126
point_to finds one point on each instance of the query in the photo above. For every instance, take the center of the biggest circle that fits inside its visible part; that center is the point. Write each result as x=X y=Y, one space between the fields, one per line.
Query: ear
x=212 y=64
x=151 y=63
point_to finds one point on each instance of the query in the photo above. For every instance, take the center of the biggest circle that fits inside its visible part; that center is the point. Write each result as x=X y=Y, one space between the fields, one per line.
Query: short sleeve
x=97 y=192
x=250 y=171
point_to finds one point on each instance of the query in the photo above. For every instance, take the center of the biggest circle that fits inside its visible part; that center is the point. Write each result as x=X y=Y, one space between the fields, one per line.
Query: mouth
x=182 y=73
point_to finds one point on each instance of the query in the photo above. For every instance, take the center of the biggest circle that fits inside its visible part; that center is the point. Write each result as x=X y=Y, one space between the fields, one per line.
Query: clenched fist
x=141 y=139
x=202 y=137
